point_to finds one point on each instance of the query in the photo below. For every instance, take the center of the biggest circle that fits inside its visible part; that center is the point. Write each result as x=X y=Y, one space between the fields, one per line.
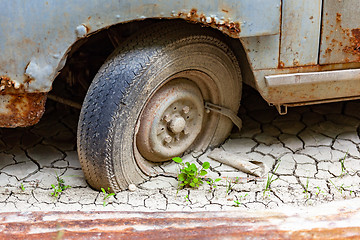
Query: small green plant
x=306 y=189
x=341 y=188
x=318 y=191
x=334 y=185
x=59 y=187
x=107 y=194
x=22 y=187
x=212 y=183
x=238 y=202
x=270 y=180
x=230 y=185
x=187 y=198
x=342 y=162
x=345 y=188
x=190 y=175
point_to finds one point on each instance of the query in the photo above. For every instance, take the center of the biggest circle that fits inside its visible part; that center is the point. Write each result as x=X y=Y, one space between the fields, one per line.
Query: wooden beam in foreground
x=337 y=220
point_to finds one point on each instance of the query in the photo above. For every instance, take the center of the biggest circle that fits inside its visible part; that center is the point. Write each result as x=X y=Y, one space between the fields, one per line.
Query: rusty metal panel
x=300 y=32
x=340 y=41
x=258 y=17
x=263 y=51
x=34 y=46
x=328 y=88
x=21 y=109
x=314 y=86
x=332 y=221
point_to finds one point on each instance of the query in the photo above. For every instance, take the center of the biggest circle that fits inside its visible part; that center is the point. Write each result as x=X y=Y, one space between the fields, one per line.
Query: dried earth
x=312 y=155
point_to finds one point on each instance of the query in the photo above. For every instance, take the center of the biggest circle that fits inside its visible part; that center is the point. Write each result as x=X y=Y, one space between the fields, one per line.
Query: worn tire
x=129 y=77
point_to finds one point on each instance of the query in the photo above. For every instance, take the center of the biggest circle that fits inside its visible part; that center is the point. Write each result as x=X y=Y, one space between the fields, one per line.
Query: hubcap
x=177 y=125
x=171 y=121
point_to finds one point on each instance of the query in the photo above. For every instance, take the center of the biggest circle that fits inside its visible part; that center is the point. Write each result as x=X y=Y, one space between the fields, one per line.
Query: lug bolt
x=177 y=138
x=186 y=131
x=167 y=118
x=168 y=139
x=186 y=109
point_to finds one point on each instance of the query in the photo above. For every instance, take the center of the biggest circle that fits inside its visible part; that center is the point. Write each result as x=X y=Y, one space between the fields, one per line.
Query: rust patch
x=225 y=25
x=338 y=17
x=88 y=29
x=354 y=48
x=343 y=40
x=356 y=33
x=328 y=50
x=22 y=109
x=9 y=86
x=6 y=84
x=319 y=68
x=281 y=64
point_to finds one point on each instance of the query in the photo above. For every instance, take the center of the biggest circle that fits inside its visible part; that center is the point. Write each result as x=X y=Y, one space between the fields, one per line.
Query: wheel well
x=88 y=54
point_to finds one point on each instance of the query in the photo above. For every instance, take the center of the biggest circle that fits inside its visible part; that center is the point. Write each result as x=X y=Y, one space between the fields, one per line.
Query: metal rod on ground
x=64 y=101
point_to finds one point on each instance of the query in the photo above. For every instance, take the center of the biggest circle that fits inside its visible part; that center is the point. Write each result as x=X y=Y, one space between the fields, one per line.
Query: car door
x=300 y=32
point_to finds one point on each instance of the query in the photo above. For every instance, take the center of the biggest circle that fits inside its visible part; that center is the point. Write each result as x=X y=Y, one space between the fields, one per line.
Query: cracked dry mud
x=314 y=148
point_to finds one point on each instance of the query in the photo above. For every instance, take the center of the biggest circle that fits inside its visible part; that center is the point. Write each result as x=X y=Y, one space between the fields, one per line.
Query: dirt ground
x=311 y=156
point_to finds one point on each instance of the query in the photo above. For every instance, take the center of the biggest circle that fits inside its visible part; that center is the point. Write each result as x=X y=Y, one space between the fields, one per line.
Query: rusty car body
x=297 y=51
x=292 y=52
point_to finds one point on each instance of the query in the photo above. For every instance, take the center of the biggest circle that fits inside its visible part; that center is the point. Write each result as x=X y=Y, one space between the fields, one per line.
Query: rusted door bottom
x=296 y=89
x=331 y=221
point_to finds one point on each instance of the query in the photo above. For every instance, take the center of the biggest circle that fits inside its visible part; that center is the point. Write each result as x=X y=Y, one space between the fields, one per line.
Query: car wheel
x=146 y=104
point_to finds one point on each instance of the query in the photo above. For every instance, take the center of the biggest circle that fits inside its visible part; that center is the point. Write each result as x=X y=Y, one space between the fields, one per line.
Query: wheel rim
x=171 y=121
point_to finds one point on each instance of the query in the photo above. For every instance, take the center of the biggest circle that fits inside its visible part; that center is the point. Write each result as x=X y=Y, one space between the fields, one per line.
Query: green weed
x=59 y=187
x=230 y=186
x=341 y=188
x=22 y=187
x=306 y=189
x=342 y=162
x=190 y=175
x=238 y=201
x=107 y=194
x=318 y=191
x=212 y=183
x=270 y=180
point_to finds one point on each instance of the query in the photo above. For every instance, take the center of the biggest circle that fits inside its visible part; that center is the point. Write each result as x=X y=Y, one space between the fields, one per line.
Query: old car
x=165 y=77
